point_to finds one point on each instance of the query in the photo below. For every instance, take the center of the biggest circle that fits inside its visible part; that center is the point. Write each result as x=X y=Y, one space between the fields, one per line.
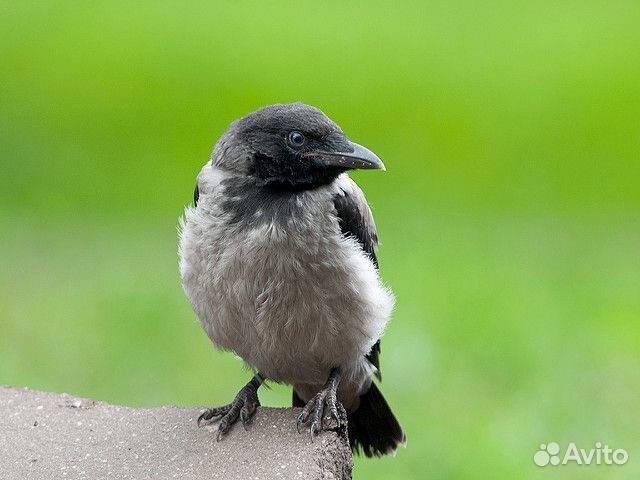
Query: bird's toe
x=243 y=407
x=213 y=414
x=323 y=411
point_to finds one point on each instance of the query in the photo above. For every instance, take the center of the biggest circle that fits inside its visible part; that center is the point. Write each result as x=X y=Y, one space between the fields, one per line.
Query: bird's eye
x=296 y=139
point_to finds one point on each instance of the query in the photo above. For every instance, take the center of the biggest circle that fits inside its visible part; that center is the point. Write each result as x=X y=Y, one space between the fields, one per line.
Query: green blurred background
x=509 y=214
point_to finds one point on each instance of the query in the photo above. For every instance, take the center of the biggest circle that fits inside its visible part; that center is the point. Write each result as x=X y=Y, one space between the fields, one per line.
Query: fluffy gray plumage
x=267 y=264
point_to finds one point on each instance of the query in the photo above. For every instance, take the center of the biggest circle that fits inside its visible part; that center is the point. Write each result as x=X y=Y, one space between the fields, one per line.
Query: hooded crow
x=277 y=257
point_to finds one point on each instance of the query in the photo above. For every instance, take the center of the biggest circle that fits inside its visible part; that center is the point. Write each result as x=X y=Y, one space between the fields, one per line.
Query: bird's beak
x=358 y=158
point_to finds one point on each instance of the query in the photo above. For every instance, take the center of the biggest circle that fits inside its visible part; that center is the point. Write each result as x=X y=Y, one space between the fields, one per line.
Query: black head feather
x=290 y=147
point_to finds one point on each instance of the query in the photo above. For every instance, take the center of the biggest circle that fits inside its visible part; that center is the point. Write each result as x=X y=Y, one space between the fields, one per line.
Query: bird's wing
x=196 y=195
x=356 y=221
x=374 y=359
x=355 y=218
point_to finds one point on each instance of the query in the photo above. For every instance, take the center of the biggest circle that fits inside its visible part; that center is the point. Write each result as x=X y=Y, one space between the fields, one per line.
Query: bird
x=277 y=257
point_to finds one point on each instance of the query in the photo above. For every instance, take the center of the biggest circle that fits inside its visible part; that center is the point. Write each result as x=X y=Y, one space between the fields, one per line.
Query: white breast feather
x=293 y=300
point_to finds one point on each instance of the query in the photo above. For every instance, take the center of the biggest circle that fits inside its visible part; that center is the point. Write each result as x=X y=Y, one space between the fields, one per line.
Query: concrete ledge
x=45 y=435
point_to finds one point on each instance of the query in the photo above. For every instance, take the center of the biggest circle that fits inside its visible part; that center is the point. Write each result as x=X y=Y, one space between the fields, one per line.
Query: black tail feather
x=372 y=427
x=296 y=401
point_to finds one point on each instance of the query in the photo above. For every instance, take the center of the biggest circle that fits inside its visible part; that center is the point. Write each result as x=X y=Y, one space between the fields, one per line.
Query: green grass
x=508 y=215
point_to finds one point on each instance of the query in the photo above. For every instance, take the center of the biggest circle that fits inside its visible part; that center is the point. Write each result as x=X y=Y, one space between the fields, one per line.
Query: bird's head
x=292 y=146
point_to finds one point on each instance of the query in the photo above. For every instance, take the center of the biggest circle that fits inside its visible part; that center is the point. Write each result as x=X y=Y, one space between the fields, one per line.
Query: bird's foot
x=325 y=399
x=243 y=407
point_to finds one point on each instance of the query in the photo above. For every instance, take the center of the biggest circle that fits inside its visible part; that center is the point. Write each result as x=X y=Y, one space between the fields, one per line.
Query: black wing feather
x=196 y=196
x=355 y=221
x=374 y=359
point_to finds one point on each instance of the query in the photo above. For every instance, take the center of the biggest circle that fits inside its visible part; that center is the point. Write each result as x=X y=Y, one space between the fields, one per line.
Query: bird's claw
x=244 y=406
x=299 y=423
x=243 y=420
x=247 y=411
x=212 y=414
x=315 y=408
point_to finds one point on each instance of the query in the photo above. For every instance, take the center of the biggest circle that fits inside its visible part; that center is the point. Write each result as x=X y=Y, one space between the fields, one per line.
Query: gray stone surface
x=51 y=436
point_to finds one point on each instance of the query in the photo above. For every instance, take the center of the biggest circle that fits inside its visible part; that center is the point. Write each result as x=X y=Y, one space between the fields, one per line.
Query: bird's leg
x=243 y=407
x=324 y=399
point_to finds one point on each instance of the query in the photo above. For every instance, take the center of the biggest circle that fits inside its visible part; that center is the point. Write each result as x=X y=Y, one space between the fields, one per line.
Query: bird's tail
x=372 y=427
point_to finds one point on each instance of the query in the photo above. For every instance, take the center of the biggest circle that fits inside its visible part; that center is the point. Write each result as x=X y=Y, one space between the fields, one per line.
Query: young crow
x=277 y=257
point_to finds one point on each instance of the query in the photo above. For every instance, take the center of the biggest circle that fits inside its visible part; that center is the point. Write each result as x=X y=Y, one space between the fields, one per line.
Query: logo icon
x=548 y=454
